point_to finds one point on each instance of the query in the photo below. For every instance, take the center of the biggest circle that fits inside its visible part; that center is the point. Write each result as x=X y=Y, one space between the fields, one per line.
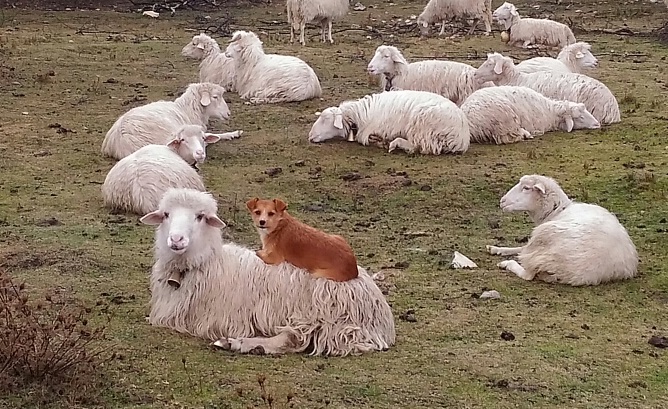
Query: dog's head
x=266 y=213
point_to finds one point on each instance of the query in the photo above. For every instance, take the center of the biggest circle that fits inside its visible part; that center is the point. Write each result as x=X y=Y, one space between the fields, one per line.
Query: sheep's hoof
x=491 y=249
x=238 y=133
x=223 y=343
x=504 y=264
x=258 y=350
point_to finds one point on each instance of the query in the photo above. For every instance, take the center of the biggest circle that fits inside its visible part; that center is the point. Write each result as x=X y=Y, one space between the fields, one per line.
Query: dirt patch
x=66 y=261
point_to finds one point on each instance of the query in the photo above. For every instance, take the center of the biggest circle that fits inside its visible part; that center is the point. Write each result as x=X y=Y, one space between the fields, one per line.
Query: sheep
x=451 y=79
x=156 y=122
x=323 y=12
x=409 y=120
x=573 y=243
x=575 y=58
x=137 y=182
x=214 y=66
x=269 y=78
x=445 y=10
x=531 y=32
x=596 y=97
x=230 y=296
x=507 y=114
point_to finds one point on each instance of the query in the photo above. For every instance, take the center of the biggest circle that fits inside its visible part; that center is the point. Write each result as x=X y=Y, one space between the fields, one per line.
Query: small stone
x=273 y=171
x=491 y=294
x=507 y=336
x=349 y=177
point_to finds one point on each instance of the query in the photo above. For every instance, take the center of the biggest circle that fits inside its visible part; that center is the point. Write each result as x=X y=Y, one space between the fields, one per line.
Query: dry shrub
x=48 y=352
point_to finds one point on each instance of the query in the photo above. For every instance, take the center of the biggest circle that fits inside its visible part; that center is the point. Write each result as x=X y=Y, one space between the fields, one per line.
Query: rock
x=359 y=7
x=273 y=171
x=408 y=316
x=349 y=177
x=659 y=342
x=491 y=294
x=461 y=261
x=507 y=336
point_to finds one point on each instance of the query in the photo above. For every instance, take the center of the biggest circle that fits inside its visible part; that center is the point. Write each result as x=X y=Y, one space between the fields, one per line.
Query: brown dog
x=285 y=238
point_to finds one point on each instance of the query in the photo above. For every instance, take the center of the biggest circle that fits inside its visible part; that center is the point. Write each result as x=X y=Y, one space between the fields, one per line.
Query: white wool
x=421 y=121
x=323 y=12
x=532 y=31
x=227 y=291
x=572 y=243
x=576 y=58
x=598 y=99
x=137 y=182
x=446 y=10
x=269 y=78
x=451 y=79
x=508 y=114
x=156 y=122
x=214 y=67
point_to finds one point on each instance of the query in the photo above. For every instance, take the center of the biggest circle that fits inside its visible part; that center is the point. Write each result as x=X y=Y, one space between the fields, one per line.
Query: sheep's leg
x=442 y=28
x=329 y=31
x=528 y=135
x=292 y=33
x=226 y=136
x=277 y=344
x=474 y=25
x=402 y=143
x=323 y=31
x=488 y=22
x=504 y=251
x=302 y=28
x=515 y=268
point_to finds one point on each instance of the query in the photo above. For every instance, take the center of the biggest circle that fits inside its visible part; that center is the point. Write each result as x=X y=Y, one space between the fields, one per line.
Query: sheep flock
x=421 y=109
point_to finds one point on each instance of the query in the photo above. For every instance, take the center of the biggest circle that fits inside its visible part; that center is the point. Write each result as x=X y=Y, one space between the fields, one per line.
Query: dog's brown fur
x=285 y=238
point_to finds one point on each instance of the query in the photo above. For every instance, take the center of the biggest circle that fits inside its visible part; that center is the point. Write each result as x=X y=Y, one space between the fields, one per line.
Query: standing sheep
x=598 y=99
x=323 y=12
x=229 y=295
x=451 y=79
x=507 y=114
x=572 y=243
x=410 y=120
x=155 y=123
x=269 y=78
x=527 y=32
x=446 y=10
x=137 y=182
x=214 y=66
x=575 y=58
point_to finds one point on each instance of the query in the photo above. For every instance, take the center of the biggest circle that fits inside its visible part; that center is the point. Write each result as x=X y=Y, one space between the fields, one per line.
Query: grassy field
x=66 y=76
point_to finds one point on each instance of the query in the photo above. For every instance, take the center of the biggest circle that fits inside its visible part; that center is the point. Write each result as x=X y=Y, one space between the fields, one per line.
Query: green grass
x=573 y=347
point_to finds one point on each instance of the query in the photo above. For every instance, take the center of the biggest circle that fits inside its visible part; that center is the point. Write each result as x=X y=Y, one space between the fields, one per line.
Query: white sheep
x=137 y=182
x=323 y=12
x=530 y=32
x=573 y=243
x=269 y=78
x=508 y=114
x=214 y=67
x=229 y=295
x=598 y=99
x=576 y=58
x=410 y=120
x=451 y=79
x=445 y=10
x=156 y=122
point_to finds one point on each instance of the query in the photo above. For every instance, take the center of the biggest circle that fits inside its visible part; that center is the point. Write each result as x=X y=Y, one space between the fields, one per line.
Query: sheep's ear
x=210 y=138
x=539 y=187
x=251 y=203
x=568 y=123
x=338 y=120
x=498 y=67
x=205 y=100
x=214 y=221
x=424 y=24
x=175 y=143
x=579 y=54
x=280 y=205
x=200 y=46
x=154 y=218
x=397 y=58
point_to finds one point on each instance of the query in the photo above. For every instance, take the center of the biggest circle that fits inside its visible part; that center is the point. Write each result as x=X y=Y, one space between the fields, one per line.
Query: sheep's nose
x=200 y=155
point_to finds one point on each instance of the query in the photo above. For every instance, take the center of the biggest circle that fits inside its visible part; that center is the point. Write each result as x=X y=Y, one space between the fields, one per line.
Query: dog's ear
x=252 y=203
x=280 y=205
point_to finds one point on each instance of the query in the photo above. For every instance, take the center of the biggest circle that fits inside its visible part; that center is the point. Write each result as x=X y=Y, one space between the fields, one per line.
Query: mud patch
x=65 y=261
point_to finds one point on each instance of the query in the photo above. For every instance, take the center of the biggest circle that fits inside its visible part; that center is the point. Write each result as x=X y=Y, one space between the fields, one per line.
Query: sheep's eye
x=526 y=188
x=214 y=96
x=200 y=217
x=257 y=212
x=271 y=214
x=166 y=215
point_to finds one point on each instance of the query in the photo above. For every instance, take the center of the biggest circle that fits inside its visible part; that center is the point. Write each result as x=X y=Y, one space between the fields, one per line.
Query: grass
x=573 y=347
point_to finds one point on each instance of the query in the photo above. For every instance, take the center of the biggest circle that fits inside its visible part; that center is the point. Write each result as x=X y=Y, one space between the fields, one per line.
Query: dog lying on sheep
x=573 y=243
x=230 y=296
x=214 y=67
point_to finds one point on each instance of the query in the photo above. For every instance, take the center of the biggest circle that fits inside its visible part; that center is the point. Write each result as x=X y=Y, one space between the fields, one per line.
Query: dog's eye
x=271 y=214
x=200 y=217
x=166 y=215
x=257 y=212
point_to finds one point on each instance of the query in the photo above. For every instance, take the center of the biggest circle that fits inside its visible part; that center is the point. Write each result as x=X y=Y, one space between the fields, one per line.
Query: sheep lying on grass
x=269 y=78
x=528 y=32
x=446 y=10
x=507 y=114
x=451 y=79
x=137 y=182
x=229 y=295
x=410 y=120
x=596 y=97
x=214 y=66
x=576 y=58
x=572 y=243
x=323 y=12
x=155 y=123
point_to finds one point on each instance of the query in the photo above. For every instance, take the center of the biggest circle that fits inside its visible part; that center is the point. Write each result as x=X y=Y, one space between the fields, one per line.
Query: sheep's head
x=211 y=99
x=505 y=14
x=576 y=116
x=199 y=47
x=493 y=69
x=329 y=125
x=190 y=143
x=527 y=195
x=581 y=53
x=240 y=41
x=185 y=218
x=384 y=60
x=424 y=20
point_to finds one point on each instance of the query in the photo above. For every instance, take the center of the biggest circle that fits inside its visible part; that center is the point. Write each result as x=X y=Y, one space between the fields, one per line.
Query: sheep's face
x=527 y=195
x=504 y=14
x=585 y=59
x=329 y=125
x=233 y=50
x=577 y=117
x=384 y=59
x=492 y=69
x=211 y=98
x=182 y=225
x=194 y=49
x=423 y=24
x=190 y=143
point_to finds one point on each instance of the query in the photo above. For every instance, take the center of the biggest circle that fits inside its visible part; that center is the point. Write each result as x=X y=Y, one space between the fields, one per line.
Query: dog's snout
x=263 y=222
